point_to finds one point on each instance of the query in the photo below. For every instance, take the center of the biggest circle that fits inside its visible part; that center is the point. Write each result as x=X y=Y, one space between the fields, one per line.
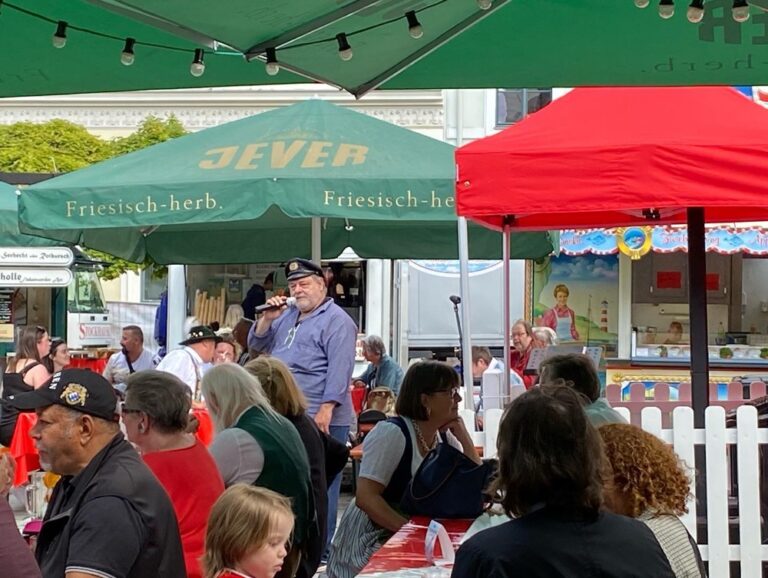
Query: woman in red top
x=248 y=533
x=155 y=414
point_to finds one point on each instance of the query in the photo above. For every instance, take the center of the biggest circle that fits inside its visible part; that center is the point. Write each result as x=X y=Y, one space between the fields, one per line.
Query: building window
x=152 y=285
x=514 y=104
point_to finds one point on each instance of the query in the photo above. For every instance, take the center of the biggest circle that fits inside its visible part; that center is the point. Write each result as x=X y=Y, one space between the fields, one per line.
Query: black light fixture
x=272 y=67
x=197 y=68
x=740 y=10
x=414 y=26
x=60 y=36
x=127 y=56
x=345 y=50
x=666 y=8
x=695 y=11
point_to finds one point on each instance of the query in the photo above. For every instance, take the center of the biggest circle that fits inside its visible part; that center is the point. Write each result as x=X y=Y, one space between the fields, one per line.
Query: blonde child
x=248 y=534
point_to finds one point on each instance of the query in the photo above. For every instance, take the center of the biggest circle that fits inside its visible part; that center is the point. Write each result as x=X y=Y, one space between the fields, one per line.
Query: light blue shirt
x=387 y=374
x=320 y=352
x=600 y=412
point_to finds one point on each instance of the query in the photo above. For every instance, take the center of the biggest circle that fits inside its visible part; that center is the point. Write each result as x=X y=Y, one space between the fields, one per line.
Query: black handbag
x=448 y=485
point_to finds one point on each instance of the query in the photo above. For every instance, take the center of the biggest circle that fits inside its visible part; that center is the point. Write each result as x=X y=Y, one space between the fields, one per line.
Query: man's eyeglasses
x=291 y=335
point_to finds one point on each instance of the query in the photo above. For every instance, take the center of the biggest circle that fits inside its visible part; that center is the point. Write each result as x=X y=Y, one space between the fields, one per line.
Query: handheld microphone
x=290 y=302
x=455 y=299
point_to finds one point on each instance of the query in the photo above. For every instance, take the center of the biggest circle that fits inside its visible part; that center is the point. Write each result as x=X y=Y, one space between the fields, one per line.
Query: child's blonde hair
x=241 y=520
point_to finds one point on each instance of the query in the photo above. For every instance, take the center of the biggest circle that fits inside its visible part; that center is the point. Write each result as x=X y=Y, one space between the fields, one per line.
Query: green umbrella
x=9 y=223
x=514 y=44
x=242 y=193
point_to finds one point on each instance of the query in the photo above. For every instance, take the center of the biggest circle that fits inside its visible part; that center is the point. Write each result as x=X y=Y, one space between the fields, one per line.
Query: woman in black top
x=550 y=480
x=327 y=456
x=25 y=372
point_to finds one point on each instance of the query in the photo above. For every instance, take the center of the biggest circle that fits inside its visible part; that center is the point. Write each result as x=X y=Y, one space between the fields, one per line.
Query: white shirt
x=384 y=446
x=117 y=370
x=185 y=364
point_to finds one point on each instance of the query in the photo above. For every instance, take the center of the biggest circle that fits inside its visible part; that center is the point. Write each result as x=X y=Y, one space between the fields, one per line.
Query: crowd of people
x=140 y=495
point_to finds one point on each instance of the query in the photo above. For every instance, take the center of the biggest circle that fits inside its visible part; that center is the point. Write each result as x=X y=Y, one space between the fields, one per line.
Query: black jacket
x=113 y=517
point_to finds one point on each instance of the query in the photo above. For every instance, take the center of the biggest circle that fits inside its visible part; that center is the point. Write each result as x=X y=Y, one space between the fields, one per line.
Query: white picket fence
x=721 y=444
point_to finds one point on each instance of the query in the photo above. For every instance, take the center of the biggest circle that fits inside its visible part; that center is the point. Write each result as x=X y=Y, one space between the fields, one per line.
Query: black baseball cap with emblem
x=79 y=389
x=299 y=268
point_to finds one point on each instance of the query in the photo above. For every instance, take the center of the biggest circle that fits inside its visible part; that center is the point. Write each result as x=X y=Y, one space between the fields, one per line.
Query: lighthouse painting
x=577 y=296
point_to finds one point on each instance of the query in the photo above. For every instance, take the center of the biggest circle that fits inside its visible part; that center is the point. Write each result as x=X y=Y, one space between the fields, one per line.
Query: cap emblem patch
x=74 y=394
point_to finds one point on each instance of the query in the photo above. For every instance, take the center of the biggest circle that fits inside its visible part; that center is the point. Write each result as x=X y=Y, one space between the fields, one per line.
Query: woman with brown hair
x=26 y=371
x=392 y=453
x=649 y=482
x=327 y=457
x=550 y=480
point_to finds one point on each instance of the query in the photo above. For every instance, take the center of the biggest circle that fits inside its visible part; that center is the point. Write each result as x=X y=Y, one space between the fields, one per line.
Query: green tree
x=59 y=146
x=152 y=131
x=56 y=146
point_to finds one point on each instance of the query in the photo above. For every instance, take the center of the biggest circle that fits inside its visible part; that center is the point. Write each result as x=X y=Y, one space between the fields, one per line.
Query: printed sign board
x=34 y=277
x=36 y=256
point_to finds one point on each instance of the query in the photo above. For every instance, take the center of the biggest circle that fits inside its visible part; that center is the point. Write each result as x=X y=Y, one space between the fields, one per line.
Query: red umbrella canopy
x=601 y=157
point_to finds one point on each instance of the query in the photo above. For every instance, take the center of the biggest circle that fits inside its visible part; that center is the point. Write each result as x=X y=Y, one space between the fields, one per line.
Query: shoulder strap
x=402 y=474
x=128 y=361
x=400 y=422
x=198 y=377
x=24 y=371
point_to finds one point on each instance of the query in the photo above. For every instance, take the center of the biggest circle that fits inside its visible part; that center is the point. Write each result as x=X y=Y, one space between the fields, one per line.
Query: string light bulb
x=414 y=26
x=127 y=57
x=345 y=50
x=484 y=4
x=666 y=9
x=696 y=11
x=60 y=36
x=642 y=3
x=272 y=67
x=197 y=68
x=740 y=10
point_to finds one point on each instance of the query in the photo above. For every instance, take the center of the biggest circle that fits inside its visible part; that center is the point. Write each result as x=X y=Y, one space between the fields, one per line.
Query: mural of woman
x=561 y=318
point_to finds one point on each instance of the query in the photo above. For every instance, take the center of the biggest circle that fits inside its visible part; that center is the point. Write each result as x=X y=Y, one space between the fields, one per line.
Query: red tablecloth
x=205 y=431
x=406 y=548
x=23 y=448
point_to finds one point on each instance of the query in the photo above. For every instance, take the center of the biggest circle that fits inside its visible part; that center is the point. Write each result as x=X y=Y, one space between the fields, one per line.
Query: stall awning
x=663 y=239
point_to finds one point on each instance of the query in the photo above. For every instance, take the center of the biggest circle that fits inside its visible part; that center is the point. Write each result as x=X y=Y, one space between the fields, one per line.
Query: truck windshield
x=84 y=293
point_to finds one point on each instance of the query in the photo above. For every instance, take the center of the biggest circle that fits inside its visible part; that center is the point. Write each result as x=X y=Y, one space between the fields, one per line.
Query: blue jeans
x=340 y=433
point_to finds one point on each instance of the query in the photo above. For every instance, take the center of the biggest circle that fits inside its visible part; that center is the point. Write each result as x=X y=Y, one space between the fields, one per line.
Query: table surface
x=405 y=550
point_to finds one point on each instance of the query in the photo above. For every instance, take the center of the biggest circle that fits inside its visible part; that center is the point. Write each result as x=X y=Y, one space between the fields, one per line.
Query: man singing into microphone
x=316 y=339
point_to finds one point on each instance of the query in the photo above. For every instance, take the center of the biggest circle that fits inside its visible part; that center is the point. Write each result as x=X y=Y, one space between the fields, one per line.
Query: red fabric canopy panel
x=603 y=157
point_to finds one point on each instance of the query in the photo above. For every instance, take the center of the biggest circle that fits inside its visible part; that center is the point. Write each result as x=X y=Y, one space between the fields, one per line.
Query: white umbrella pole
x=466 y=350
x=317 y=254
x=505 y=254
x=177 y=306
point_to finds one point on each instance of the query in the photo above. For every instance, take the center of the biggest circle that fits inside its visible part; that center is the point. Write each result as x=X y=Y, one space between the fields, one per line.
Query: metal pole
x=697 y=303
x=177 y=305
x=505 y=255
x=317 y=253
x=466 y=353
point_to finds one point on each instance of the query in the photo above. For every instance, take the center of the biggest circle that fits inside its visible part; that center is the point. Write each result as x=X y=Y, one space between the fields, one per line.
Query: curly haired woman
x=650 y=483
